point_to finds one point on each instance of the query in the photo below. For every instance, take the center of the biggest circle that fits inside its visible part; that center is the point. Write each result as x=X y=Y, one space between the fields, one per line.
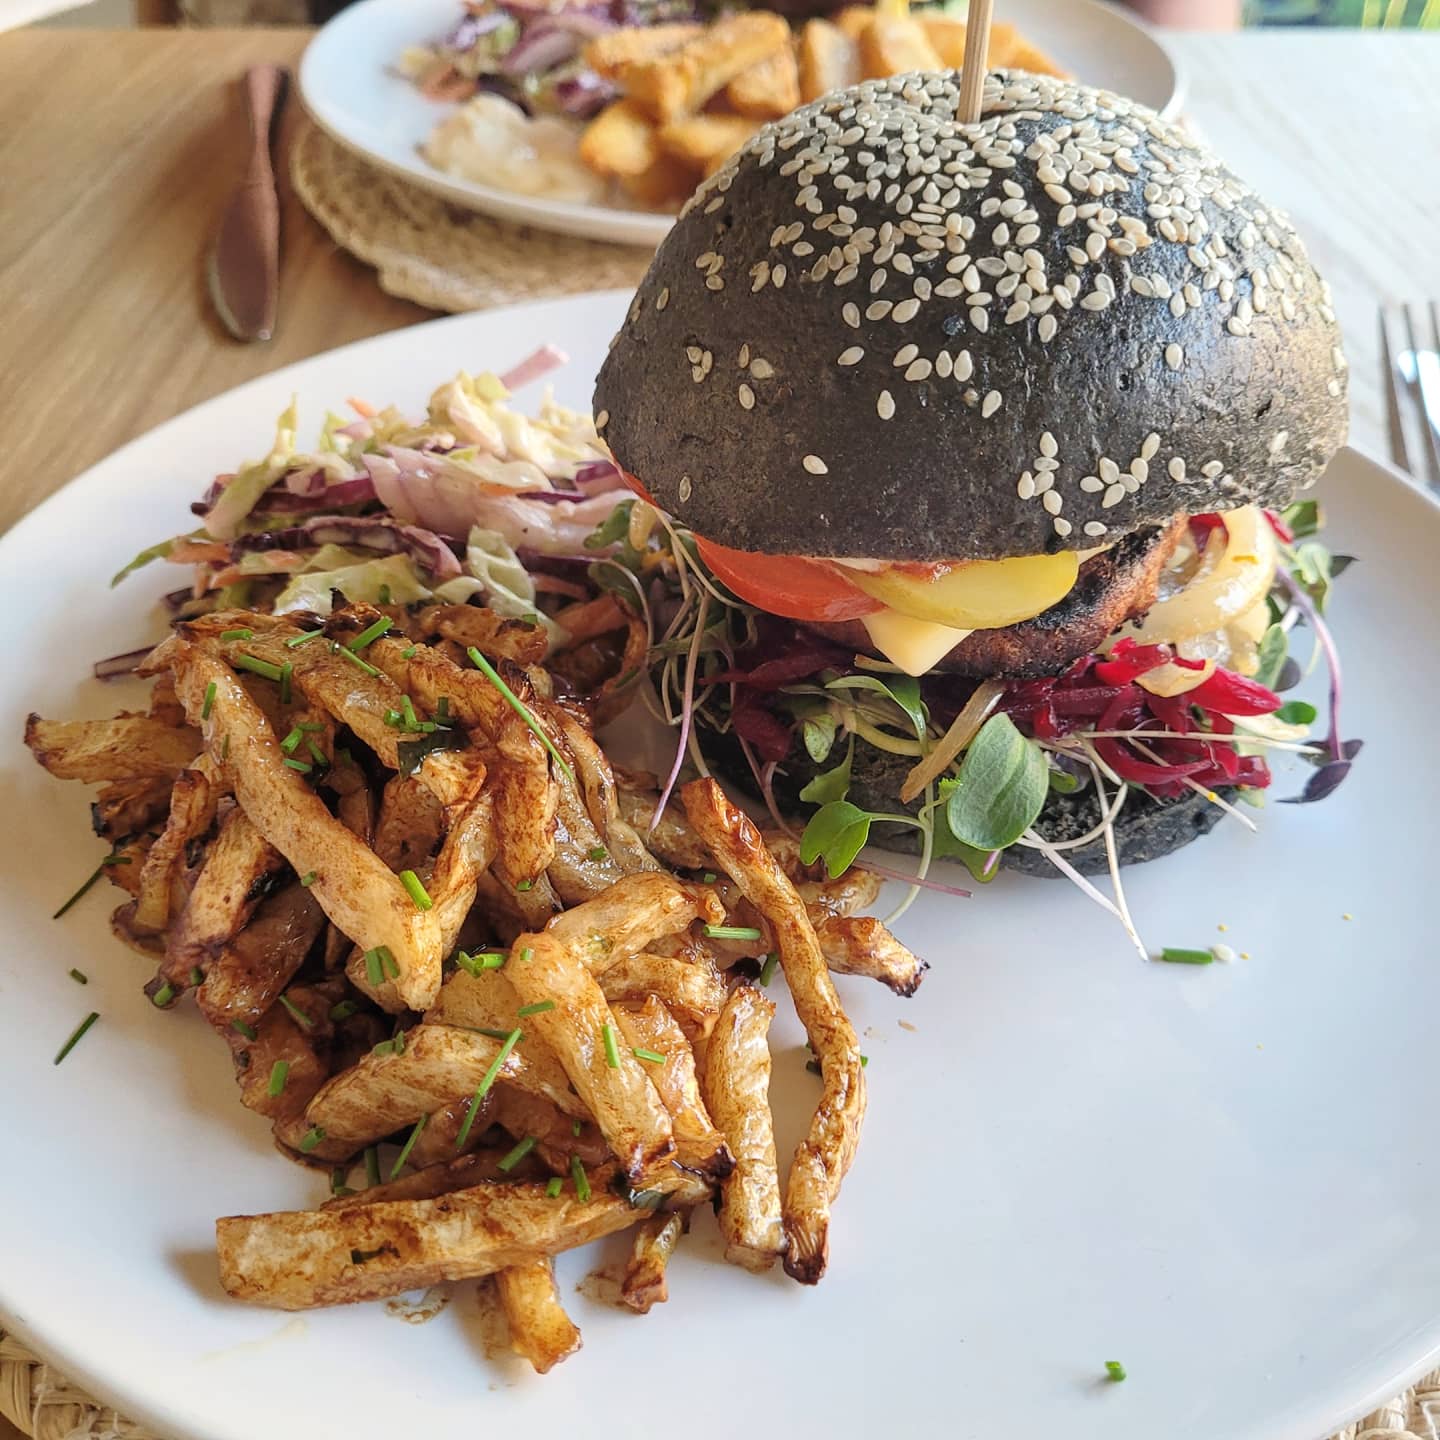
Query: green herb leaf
x=818 y=733
x=947 y=847
x=1304 y=518
x=614 y=527
x=1314 y=569
x=1062 y=782
x=78 y=1033
x=515 y=1156
x=417 y=892
x=838 y=832
x=1115 y=1370
x=1002 y=786
x=904 y=690
x=1297 y=712
x=1274 y=647
x=1186 y=957
x=834 y=784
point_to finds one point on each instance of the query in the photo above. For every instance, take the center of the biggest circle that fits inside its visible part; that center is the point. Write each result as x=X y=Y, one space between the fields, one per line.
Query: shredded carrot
x=363 y=410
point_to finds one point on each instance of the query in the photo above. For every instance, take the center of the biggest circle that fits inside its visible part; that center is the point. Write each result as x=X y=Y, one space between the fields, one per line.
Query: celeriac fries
x=385 y=854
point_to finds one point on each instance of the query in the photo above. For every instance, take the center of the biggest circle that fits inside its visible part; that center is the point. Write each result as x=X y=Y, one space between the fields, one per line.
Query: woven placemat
x=437 y=254
x=43 y=1404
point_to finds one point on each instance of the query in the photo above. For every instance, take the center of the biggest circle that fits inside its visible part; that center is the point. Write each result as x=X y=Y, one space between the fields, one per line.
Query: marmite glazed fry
x=825 y=1154
x=296 y=1260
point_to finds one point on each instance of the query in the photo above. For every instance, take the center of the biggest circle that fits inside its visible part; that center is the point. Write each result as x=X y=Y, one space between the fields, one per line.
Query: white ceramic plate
x=1220 y=1177
x=350 y=86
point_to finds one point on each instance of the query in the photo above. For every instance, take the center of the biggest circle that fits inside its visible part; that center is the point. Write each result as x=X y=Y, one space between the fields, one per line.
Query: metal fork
x=1410 y=354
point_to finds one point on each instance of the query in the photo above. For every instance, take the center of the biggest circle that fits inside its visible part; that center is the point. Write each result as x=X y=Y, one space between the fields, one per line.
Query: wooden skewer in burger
x=948 y=395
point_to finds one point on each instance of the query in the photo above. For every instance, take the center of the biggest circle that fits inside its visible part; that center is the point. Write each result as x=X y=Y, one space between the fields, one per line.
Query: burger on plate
x=989 y=434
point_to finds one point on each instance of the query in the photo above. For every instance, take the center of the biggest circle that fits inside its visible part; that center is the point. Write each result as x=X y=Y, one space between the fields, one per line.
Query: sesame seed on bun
x=879 y=332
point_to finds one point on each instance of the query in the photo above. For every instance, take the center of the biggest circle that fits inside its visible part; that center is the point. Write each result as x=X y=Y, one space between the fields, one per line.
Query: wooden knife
x=244 y=264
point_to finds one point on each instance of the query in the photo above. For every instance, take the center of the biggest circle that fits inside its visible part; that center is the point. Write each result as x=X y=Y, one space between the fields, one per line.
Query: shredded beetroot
x=1128 y=660
x=772 y=674
x=1081 y=700
x=766 y=732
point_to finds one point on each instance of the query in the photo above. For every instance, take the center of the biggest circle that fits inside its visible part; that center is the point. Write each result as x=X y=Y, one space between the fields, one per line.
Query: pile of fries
x=694 y=94
x=385 y=856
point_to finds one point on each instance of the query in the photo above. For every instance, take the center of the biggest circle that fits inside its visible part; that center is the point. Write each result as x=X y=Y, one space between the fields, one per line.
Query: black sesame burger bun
x=881 y=333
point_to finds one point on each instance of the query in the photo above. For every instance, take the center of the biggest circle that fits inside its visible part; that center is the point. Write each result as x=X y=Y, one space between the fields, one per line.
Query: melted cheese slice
x=916 y=646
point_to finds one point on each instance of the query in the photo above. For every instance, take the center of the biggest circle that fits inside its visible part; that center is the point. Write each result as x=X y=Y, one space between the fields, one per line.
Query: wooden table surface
x=117 y=151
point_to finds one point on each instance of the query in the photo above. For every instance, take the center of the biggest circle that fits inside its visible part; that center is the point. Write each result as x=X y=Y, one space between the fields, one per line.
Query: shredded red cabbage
x=366 y=532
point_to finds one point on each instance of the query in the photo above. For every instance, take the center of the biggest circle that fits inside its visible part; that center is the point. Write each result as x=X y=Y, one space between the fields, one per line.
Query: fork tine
x=1426 y=389
x=1394 y=423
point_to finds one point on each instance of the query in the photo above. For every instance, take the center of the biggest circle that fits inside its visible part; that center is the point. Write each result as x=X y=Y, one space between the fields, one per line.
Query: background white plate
x=349 y=85
x=1218 y=1176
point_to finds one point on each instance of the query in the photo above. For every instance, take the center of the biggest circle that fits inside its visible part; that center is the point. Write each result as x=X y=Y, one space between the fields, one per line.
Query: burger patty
x=1112 y=587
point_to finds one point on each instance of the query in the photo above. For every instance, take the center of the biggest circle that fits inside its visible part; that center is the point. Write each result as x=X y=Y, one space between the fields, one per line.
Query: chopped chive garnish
x=344 y=1010
x=354 y=659
x=384 y=595
x=708 y=877
x=241 y=634
x=553 y=1186
x=575 y=1127
x=297 y=1013
x=79 y=977
x=523 y=884
x=599 y=852
x=258 y=666
x=374 y=970
x=442 y=708
x=392 y=967
x=515 y=703
x=225 y=748
x=492 y=1033
x=338 y=1176
x=279 y=1074
x=1186 y=957
x=291 y=743
x=515 y=1156
x=311 y=1139
x=245 y=1028
x=538 y=1008
x=308 y=879
x=317 y=754
x=394 y=719
x=408 y=653
x=197 y=975
x=412 y=720
x=302 y=766
x=467 y=963
x=767 y=970
x=417 y=892
x=813 y=1066
x=653 y=1056
x=730 y=932
x=399 y=1042
x=95 y=874
x=385 y=1047
x=372 y=1165
x=311 y=727
x=527 y=954
x=612 y=1051
x=295 y=641
x=483 y=1089
x=163 y=996
x=209 y=701
x=1115 y=1370
x=492 y=959
x=408 y=1146
x=581 y=1179
x=370 y=633
x=79 y=1034
x=287 y=670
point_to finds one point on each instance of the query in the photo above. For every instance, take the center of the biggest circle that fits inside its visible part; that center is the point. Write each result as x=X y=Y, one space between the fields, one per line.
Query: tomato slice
x=789 y=585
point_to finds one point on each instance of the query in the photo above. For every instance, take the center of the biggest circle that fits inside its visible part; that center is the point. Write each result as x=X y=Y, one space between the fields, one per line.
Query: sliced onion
x=1231 y=579
x=964 y=729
